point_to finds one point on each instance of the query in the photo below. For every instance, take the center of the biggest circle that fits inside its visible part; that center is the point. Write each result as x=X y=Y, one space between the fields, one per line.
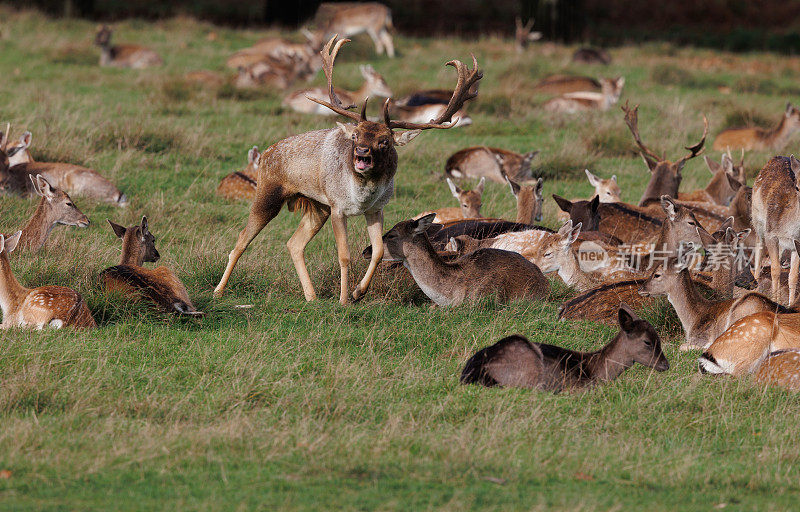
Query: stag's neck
x=608 y=363
x=11 y=292
x=38 y=228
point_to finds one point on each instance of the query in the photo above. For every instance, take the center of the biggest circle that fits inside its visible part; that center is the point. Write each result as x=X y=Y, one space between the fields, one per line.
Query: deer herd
x=704 y=250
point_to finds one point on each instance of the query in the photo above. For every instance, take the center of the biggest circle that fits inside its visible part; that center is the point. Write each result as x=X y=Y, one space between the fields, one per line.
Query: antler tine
x=697 y=148
x=632 y=120
x=466 y=79
x=328 y=58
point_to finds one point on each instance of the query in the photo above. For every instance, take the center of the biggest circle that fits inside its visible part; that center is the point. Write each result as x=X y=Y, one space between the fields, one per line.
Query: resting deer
x=571 y=102
x=781 y=368
x=758 y=138
x=492 y=163
x=242 y=184
x=530 y=200
x=588 y=55
x=305 y=100
x=516 y=362
x=469 y=204
x=18 y=152
x=280 y=49
x=665 y=176
x=124 y=55
x=352 y=18
x=74 y=179
x=271 y=72
x=563 y=84
x=606 y=190
x=720 y=190
x=54 y=208
x=775 y=214
x=159 y=285
x=469 y=278
x=46 y=306
x=424 y=113
x=523 y=34
x=338 y=172
x=429 y=97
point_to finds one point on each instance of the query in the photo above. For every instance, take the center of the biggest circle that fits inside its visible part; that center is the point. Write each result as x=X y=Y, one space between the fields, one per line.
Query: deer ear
x=742 y=235
x=733 y=182
x=614 y=178
x=401 y=139
x=423 y=223
x=529 y=156
x=454 y=189
x=347 y=129
x=144 y=225
x=713 y=165
x=564 y=230
x=594 y=204
x=562 y=203
x=593 y=180
x=42 y=187
x=118 y=230
x=789 y=109
x=726 y=224
x=795 y=166
x=252 y=155
x=627 y=318
x=514 y=185
x=669 y=207
x=651 y=164
x=12 y=241
x=539 y=186
x=479 y=188
x=456 y=244
x=25 y=139
x=706 y=239
x=575 y=233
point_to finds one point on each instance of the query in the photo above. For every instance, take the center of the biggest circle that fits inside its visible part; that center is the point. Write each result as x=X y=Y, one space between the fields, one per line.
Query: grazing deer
x=18 y=152
x=338 y=172
x=572 y=102
x=606 y=190
x=482 y=161
x=781 y=368
x=242 y=184
x=305 y=100
x=720 y=190
x=46 y=306
x=469 y=204
x=591 y=56
x=530 y=200
x=523 y=34
x=54 y=208
x=124 y=55
x=516 y=362
x=759 y=138
x=564 y=84
x=469 y=278
x=775 y=212
x=665 y=176
x=352 y=18
x=159 y=285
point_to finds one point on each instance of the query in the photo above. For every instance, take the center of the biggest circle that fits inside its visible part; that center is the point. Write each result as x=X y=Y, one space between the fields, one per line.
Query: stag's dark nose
x=362 y=151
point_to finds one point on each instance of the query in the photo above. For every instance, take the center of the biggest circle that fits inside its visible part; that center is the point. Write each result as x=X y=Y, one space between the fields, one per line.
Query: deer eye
x=548 y=254
x=353 y=137
x=70 y=204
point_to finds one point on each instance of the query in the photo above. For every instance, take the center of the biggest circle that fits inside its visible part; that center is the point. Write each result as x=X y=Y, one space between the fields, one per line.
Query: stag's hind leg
x=266 y=205
x=314 y=217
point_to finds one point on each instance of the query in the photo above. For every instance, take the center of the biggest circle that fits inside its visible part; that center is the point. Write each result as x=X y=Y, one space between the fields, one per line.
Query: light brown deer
x=424 y=113
x=665 y=176
x=482 y=161
x=469 y=278
x=305 y=100
x=280 y=49
x=572 y=102
x=606 y=190
x=469 y=204
x=758 y=138
x=242 y=184
x=563 y=84
x=720 y=190
x=523 y=35
x=272 y=72
x=46 y=306
x=17 y=152
x=338 y=172
x=353 y=18
x=516 y=362
x=124 y=55
x=530 y=200
x=158 y=285
x=781 y=368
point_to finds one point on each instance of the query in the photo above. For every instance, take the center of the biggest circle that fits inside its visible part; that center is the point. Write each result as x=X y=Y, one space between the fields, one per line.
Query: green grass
x=311 y=406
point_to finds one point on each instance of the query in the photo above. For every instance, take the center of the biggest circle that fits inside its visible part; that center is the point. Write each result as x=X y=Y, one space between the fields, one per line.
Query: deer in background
x=530 y=200
x=523 y=35
x=469 y=204
x=305 y=100
x=759 y=138
x=516 y=362
x=563 y=84
x=18 y=152
x=159 y=285
x=572 y=102
x=720 y=190
x=588 y=55
x=272 y=72
x=46 y=306
x=337 y=172
x=124 y=55
x=242 y=184
x=281 y=49
x=351 y=18
x=606 y=190
x=492 y=163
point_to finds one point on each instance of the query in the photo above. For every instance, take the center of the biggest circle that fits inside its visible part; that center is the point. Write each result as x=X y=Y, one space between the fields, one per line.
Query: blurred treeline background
x=736 y=25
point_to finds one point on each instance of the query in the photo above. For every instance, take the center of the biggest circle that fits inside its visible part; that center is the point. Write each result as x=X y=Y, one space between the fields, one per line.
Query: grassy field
x=309 y=406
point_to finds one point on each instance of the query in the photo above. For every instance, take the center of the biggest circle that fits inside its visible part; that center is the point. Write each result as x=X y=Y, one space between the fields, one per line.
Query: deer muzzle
x=362 y=159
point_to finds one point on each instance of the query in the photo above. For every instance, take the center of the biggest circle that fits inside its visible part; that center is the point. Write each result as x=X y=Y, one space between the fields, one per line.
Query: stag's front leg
x=375 y=231
x=339 y=222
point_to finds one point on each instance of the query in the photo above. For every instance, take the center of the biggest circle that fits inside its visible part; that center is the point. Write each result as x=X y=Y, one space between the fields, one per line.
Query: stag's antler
x=697 y=148
x=632 y=120
x=328 y=57
x=466 y=79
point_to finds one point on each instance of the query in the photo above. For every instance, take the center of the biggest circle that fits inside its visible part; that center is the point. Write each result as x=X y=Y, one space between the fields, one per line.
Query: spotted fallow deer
x=353 y=18
x=124 y=55
x=337 y=172
x=572 y=102
x=305 y=100
x=523 y=35
x=242 y=184
x=516 y=362
x=781 y=368
x=46 y=306
x=469 y=204
x=482 y=161
x=665 y=176
x=158 y=285
x=759 y=138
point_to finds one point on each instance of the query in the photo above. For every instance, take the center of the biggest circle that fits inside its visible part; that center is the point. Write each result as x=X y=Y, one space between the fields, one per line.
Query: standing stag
x=339 y=173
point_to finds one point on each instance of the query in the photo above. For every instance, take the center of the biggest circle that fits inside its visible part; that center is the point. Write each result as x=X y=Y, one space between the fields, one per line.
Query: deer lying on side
x=720 y=190
x=606 y=190
x=587 y=55
x=469 y=278
x=242 y=184
x=306 y=100
x=523 y=35
x=280 y=49
x=516 y=362
x=482 y=161
x=17 y=152
x=759 y=138
x=54 y=208
x=781 y=368
x=352 y=18
x=272 y=72
x=338 y=172
x=572 y=102
x=124 y=55
x=469 y=204
x=563 y=84
x=46 y=306
x=159 y=285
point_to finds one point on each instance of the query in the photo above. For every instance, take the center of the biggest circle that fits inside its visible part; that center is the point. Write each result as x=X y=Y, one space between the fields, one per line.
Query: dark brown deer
x=338 y=172
x=516 y=362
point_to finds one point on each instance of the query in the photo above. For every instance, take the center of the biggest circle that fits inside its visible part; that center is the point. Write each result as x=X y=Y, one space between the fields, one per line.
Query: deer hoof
x=218 y=292
x=358 y=295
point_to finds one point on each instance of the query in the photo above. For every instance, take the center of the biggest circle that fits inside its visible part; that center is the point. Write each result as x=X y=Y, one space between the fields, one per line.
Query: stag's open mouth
x=362 y=163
